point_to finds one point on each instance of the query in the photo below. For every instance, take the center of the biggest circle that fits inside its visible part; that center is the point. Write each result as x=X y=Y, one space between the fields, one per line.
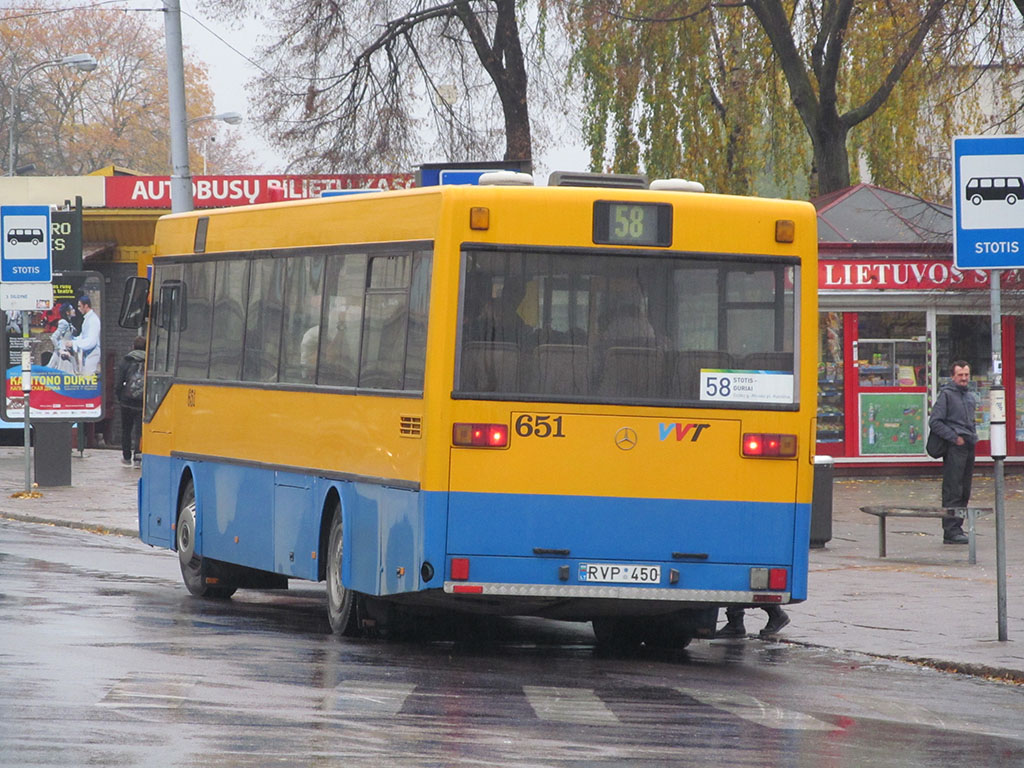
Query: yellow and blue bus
x=581 y=401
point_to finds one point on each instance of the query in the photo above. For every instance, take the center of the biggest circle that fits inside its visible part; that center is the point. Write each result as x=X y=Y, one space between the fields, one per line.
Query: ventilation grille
x=410 y=426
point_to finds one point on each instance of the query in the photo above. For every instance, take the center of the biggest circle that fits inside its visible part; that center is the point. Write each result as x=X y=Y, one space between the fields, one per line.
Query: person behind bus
x=952 y=419
x=87 y=343
x=131 y=406
x=777 y=619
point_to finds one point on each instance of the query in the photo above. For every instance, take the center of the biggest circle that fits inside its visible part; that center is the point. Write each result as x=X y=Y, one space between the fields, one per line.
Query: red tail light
x=777 y=578
x=480 y=435
x=460 y=568
x=762 y=445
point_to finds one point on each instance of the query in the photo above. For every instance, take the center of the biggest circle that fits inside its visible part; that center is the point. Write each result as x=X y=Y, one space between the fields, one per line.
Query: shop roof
x=115 y=170
x=868 y=214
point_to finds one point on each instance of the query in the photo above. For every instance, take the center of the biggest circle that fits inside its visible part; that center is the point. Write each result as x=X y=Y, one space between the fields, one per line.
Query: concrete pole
x=181 y=176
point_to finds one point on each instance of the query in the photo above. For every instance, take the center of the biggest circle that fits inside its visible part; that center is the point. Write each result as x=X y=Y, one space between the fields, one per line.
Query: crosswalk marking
x=383 y=698
x=569 y=705
x=368 y=697
x=149 y=691
x=758 y=711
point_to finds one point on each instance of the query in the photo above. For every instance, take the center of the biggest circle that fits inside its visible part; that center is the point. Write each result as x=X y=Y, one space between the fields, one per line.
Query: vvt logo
x=682 y=430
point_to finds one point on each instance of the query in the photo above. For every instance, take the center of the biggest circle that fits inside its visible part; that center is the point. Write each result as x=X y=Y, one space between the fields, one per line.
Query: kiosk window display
x=890 y=355
x=879 y=373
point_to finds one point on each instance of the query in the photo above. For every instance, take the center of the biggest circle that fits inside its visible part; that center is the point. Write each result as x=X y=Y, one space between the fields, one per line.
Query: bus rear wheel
x=617 y=635
x=195 y=570
x=620 y=635
x=341 y=601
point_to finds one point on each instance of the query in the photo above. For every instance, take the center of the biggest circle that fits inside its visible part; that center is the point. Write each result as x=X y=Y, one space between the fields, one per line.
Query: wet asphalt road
x=106 y=660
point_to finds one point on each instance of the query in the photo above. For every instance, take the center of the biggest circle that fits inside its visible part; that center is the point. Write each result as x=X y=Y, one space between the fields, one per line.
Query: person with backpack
x=131 y=375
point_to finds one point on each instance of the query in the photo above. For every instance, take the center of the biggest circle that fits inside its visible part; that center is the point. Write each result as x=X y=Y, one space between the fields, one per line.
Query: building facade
x=895 y=313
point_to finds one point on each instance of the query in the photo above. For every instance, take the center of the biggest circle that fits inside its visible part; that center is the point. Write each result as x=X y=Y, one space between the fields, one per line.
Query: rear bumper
x=687 y=596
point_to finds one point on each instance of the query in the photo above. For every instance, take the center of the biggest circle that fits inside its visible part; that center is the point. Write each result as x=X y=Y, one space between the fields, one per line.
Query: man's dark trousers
x=957 y=469
x=131 y=430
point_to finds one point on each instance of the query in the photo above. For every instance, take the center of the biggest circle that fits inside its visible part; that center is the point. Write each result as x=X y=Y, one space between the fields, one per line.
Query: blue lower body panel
x=712 y=544
x=275 y=521
x=401 y=542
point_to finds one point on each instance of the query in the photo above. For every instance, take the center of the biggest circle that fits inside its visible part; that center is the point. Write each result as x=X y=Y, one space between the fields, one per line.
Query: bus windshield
x=605 y=326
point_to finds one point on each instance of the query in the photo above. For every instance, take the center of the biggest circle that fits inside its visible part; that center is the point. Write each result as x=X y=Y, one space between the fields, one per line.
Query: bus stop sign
x=26 y=245
x=988 y=202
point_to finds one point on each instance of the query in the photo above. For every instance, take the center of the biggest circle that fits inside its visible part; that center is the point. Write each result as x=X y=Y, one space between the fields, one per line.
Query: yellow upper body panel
x=359 y=434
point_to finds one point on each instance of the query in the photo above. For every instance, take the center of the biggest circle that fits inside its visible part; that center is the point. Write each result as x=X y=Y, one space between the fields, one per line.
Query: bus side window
x=229 y=299
x=301 y=334
x=263 y=320
x=171 y=312
x=197 y=306
x=419 y=305
x=385 y=322
x=344 y=283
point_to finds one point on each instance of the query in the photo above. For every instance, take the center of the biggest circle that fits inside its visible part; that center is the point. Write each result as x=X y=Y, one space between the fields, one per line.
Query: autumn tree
x=380 y=84
x=70 y=123
x=873 y=76
x=680 y=90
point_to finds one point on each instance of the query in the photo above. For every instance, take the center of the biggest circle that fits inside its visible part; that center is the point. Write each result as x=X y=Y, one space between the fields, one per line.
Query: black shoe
x=775 y=624
x=732 y=630
x=955 y=537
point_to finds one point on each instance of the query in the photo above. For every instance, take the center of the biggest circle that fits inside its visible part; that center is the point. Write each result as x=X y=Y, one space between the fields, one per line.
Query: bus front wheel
x=195 y=571
x=341 y=601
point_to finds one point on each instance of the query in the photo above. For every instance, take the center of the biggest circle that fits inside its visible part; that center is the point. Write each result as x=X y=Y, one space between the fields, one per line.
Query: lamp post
x=231 y=118
x=83 y=62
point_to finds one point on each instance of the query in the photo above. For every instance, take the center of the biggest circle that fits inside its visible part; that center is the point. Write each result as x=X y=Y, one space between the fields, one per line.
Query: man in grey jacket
x=952 y=419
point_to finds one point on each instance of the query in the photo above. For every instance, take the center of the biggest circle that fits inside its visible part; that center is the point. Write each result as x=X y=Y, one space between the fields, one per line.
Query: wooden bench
x=970 y=514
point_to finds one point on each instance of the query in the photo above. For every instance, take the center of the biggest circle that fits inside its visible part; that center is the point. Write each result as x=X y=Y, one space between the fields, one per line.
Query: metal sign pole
x=997 y=436
x=988 y=233
x=26 y=391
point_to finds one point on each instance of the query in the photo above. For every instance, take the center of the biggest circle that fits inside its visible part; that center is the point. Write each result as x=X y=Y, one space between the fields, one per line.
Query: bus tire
x=1011 y=199
x=617 y=635
x=341 y=601
x=976 y=199
x=195 y=571
x=669 y=634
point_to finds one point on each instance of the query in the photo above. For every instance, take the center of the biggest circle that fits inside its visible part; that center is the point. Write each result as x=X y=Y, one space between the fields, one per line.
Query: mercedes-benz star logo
x=626 y=439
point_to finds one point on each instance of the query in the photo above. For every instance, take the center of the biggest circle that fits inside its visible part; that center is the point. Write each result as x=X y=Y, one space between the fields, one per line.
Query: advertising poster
x=64 y=341
x=892 y=423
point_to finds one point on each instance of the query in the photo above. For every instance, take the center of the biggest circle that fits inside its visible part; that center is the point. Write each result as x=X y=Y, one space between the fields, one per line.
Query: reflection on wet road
x=106 y=660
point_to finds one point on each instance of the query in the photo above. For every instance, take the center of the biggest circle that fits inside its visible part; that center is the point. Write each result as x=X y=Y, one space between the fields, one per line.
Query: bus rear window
x=604 y=327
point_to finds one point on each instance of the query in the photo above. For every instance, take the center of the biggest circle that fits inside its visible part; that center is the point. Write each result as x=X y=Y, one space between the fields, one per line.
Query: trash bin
x=821 y=502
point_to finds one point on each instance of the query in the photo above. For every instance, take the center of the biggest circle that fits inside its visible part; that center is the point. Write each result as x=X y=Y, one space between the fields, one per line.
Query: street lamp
x=231 y=118
x=83 y=62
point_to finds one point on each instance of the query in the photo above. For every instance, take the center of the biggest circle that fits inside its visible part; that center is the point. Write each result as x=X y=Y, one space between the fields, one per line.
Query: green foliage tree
x=680 y=89
x=732 y=82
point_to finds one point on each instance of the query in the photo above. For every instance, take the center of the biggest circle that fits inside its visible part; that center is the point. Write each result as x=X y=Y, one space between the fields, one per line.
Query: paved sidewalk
x=922 y=602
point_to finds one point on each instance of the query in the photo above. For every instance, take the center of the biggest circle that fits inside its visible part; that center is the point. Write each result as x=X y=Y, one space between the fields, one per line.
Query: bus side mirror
x=134 y=304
